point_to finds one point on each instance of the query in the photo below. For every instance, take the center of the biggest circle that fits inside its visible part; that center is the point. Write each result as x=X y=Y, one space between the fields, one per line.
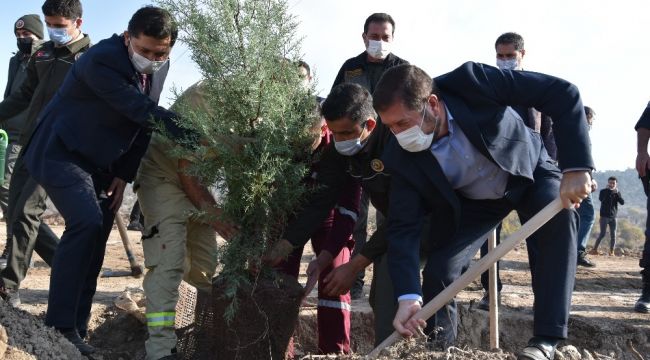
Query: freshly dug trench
x=265 y=319
x=589 y=339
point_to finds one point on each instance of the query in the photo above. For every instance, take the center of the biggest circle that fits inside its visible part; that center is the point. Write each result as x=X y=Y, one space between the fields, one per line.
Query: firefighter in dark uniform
x=366 y=69
x=359 y=142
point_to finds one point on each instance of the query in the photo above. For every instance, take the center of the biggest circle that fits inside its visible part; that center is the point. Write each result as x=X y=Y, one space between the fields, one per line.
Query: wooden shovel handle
x=479 y=267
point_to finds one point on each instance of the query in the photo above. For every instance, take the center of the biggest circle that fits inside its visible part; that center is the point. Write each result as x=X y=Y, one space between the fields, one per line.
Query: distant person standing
x=609 y=198
x=586 y=211
x=642 y=163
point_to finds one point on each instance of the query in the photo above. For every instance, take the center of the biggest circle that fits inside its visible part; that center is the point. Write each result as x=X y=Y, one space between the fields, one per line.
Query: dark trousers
x=78 y=260
x=360 y=234
x=604 y=223
x=551 y=253
x=485 y=276
x=136 y=213
x=11 y=155
x=26 y=204
x=644 y=262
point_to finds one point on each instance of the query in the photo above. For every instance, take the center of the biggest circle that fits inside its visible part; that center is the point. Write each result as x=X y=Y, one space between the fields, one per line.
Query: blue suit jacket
x=99 y=119
x=478 y=96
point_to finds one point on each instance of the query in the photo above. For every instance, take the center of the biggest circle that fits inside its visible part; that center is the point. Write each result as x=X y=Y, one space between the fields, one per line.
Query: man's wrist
x=324 y=259
x=410 y=297
x=360 y=262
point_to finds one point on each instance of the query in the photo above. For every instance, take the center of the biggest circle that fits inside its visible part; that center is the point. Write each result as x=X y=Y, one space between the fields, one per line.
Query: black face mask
x=25 y=45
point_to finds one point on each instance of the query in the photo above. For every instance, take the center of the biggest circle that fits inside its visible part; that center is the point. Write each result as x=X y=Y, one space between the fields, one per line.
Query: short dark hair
x=155 y=22
x=302 y=64
x=510 y=38
x=612 y=178
x=406 y=83
x=378 y=18
x=69 y=9
x=589 y=112
x=348 y=100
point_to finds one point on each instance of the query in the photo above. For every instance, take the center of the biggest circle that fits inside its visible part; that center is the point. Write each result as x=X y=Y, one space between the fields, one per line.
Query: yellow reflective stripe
x=167 y=318
x=160 y=314
x=161 y=323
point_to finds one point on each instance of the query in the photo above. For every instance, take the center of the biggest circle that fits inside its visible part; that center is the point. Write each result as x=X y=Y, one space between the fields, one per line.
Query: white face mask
x=508 y=64
x=378 y=49
x=144 y=65
x=414 y=139
x=348 y=147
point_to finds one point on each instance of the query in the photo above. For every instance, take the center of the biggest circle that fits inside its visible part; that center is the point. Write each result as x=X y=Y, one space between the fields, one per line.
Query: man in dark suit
x=88 y=145
x=459 y=147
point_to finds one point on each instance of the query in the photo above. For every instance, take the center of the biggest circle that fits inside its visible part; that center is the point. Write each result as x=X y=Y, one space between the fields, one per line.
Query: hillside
x=631 y=216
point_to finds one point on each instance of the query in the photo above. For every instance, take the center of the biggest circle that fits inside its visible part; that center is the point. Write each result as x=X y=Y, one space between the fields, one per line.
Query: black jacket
x=15 y=78
x=609 y=201
x=354 y=70
x=46 y=71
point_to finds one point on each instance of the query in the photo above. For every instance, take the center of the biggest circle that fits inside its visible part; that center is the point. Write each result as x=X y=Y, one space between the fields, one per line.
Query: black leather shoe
x=538 y=349
x=12 y=297
x=583 y=261
x=643 y=304
x=484 y=304
x=9 y=295
x=135 y=226
x=73 y=337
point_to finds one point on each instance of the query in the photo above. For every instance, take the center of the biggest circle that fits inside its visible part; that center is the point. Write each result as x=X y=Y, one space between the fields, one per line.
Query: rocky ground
x=603 y=325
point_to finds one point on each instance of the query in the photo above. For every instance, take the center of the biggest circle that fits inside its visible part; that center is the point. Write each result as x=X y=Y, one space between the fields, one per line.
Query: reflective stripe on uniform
x=161 y=319
x=335 y=304
x=347 y=212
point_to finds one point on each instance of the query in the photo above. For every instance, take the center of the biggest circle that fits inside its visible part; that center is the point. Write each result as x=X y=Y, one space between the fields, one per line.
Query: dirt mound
x=29 y=338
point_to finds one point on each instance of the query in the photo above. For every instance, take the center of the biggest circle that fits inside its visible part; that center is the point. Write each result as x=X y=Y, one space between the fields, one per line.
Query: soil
x=602 y=326
x=28 y=338
x=271 y=309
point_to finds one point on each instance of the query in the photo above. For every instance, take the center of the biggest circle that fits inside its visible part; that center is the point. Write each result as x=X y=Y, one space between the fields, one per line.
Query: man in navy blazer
x=459 y=147
x=88 y=145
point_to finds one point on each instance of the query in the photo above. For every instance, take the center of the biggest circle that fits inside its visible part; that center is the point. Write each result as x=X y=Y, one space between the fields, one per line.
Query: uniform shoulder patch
x=20 y=24
x=377 y=165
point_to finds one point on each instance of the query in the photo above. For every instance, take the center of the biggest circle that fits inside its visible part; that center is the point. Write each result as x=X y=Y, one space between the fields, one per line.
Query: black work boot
x=73 y=337
x=643 y=304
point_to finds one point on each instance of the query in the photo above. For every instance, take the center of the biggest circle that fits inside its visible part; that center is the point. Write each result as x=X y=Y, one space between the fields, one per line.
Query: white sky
x=601 y=47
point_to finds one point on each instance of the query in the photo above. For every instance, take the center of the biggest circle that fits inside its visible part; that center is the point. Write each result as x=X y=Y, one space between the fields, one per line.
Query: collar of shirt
x=78 y=43
x=466 y=169
x=443 y=141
